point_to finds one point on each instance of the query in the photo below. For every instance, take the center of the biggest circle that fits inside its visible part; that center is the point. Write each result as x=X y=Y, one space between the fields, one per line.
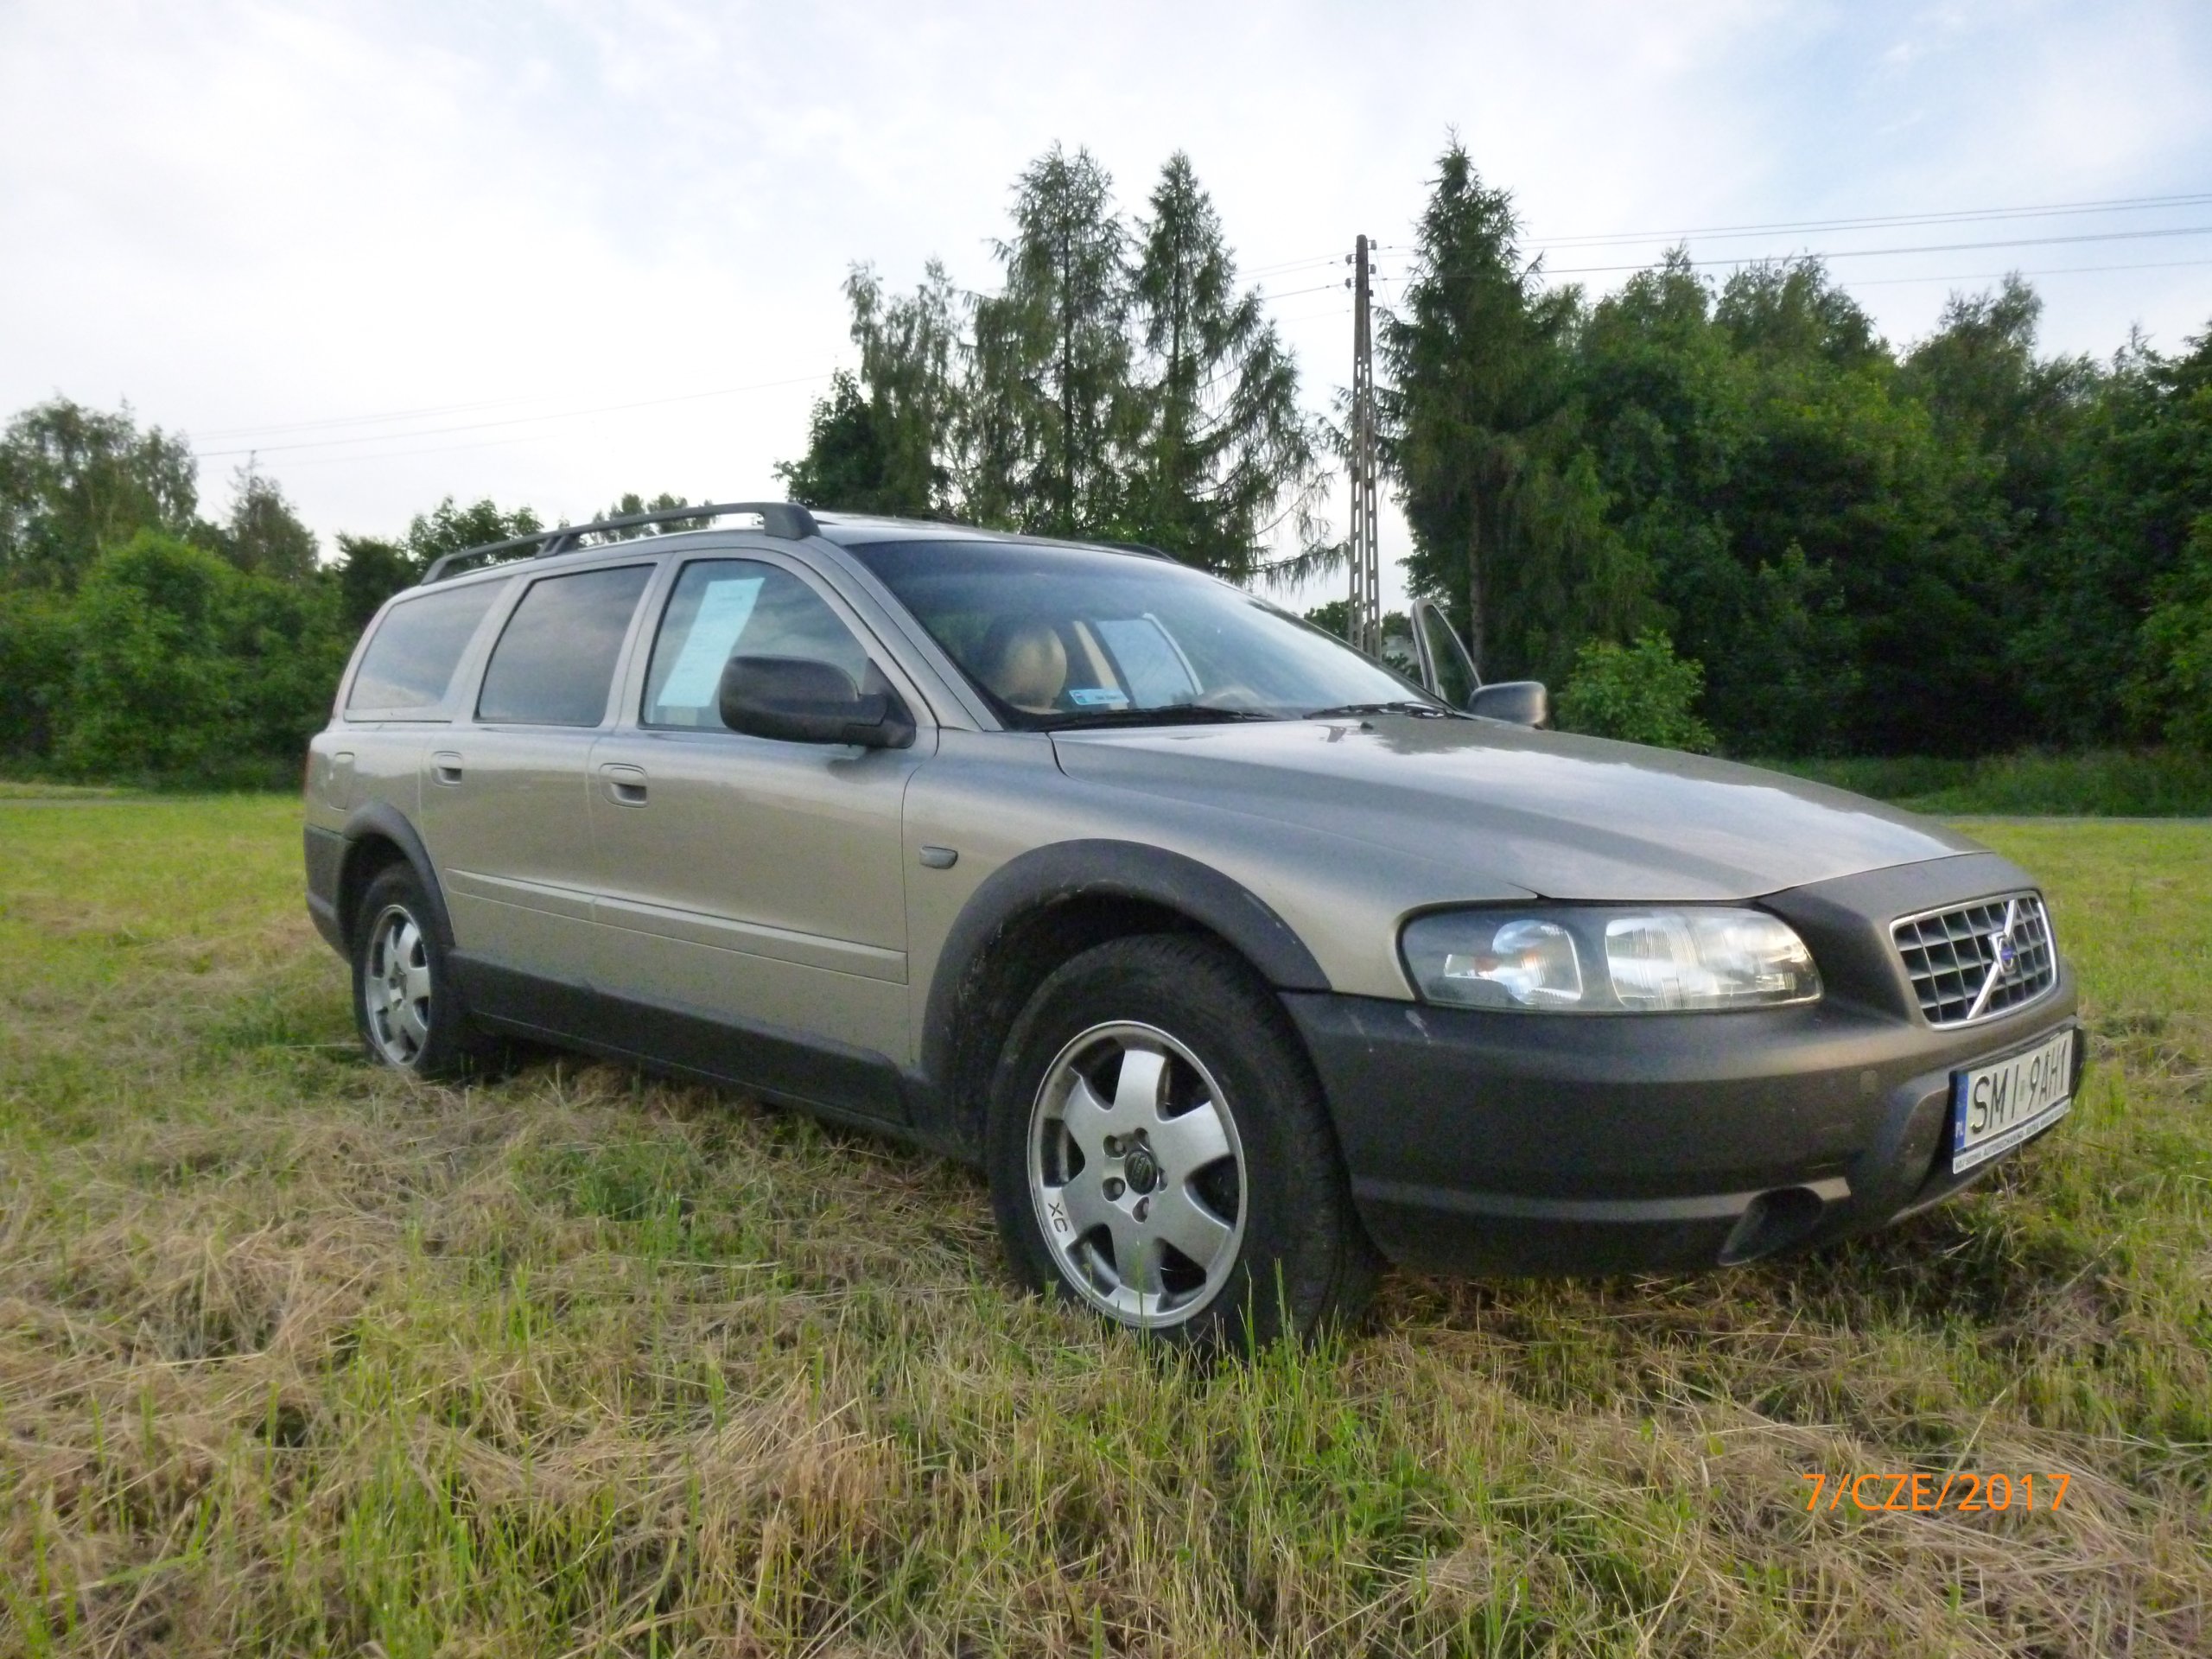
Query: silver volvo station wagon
x=1239 y=959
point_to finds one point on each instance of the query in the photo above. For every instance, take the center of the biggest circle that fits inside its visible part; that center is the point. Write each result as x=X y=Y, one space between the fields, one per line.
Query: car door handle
x=445 y=767
x=626 y=785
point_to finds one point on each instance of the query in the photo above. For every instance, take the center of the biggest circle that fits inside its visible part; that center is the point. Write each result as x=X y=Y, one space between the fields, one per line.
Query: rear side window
x=411 y=657
x=555 y=661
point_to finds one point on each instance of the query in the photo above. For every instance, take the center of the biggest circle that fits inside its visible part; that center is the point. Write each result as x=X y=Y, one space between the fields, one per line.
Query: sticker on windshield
x=1095 y=696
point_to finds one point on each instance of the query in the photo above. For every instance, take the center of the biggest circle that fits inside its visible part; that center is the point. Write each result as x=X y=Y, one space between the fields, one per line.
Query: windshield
x=1058 y=636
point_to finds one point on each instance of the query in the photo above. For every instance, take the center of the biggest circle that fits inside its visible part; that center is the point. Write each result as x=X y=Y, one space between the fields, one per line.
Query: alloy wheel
x=1137 y=1174
x=396 y=986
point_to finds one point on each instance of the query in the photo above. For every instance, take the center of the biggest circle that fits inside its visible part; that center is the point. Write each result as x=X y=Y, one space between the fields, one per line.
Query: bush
x=34 y=669
x=150 y=690
x=289 y=642
x=186 y=668
x=1640 y=693
x=2172 y=693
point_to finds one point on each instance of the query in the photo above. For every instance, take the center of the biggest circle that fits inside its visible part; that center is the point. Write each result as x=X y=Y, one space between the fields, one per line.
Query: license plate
x=1995 y=1107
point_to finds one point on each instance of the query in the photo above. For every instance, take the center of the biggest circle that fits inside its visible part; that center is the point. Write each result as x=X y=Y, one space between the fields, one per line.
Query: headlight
x=1609 y=960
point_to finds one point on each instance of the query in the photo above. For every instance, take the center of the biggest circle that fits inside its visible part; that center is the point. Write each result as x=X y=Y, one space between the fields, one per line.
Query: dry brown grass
x=295 y=1357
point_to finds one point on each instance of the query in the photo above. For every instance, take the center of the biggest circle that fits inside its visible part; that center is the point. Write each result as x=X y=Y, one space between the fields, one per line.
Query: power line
x=1317 y=259
x=324 y=422
x=1345 y=310
x=1319 y=288
x=387 y=417
x=518 y=420
x=2054 y=270
x=1959 y=216
x=402 y=454
x=1925 y=247
x=1965 y=215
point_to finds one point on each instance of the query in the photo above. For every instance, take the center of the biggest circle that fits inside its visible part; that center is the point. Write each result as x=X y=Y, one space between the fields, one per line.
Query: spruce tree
x=1477 y=428
x=1224 y=453
x=1051 y=403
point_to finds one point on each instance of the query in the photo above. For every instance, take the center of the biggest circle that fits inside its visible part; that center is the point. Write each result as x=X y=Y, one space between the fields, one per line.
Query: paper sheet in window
x=724 y=609
x=1151 y=666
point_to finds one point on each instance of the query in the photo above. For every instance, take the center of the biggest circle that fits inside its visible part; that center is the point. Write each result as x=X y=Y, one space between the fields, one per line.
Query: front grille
x=1957 y=958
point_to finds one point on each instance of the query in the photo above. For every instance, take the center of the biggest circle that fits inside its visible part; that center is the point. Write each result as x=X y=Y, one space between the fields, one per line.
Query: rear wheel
x=406 y=1004
x=1159 y=1151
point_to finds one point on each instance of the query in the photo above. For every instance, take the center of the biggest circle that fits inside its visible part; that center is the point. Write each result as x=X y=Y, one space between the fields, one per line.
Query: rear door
x=504 y=791
x=755 y=882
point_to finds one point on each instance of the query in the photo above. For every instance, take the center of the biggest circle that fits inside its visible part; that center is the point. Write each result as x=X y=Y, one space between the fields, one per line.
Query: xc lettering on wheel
x=396 y=986
x=1137 y=1174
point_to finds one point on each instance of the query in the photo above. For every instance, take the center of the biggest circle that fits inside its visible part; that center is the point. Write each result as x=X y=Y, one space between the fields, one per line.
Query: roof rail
x=782 y=519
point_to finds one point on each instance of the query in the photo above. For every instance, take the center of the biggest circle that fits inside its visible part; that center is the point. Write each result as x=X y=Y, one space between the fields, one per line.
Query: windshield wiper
x=1172 y=713
x=1402 y=706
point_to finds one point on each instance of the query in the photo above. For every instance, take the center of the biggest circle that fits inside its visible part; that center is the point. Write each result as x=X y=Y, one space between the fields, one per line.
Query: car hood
x=1557 y=816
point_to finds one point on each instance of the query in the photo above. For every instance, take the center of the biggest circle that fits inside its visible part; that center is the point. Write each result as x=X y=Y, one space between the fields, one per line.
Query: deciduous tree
x=74 y=481
x=263 y=534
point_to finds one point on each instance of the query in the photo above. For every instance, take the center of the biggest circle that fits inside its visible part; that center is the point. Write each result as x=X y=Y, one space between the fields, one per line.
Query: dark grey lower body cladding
x=780 y=1065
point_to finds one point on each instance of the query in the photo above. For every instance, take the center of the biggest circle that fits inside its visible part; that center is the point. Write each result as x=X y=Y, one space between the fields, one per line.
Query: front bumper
x=1491 y=1143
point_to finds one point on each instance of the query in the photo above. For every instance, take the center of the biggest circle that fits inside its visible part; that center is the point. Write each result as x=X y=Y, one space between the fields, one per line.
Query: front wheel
x=1160 y=1152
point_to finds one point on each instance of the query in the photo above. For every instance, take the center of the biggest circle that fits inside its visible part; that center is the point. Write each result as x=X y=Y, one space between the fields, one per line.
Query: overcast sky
x=548 y=253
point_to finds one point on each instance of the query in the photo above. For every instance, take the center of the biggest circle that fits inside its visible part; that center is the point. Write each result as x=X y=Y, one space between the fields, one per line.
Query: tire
x=1200 y=1195
x=407 y=1004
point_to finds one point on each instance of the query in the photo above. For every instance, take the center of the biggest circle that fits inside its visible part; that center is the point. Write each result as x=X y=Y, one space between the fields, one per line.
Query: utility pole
x=1365 y=622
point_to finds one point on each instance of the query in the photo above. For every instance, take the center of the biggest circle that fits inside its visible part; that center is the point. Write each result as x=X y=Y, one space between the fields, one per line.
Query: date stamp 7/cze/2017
x=1919 y=1492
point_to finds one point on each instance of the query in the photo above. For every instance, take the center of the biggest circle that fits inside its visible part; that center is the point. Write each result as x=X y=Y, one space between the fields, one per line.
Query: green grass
x=17 y=789
x=23 y=775
x=2093 y=783
x=298 y=1356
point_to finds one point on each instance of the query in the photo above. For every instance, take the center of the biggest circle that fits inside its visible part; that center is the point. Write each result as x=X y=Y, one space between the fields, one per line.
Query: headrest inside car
x=1024 y=661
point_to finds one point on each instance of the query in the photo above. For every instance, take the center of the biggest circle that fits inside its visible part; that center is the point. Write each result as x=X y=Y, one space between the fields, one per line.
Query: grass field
x=297 y=1357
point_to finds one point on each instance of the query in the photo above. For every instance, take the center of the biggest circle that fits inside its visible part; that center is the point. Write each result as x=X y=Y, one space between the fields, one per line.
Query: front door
x=756 y=882
x=1446 y=667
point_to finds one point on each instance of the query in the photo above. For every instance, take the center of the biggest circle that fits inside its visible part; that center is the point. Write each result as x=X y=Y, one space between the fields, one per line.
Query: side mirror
x=801 y=701
x=1524 y=702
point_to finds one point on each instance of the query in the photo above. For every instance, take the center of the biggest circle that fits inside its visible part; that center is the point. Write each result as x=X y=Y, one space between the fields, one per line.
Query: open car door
x=1448 y=671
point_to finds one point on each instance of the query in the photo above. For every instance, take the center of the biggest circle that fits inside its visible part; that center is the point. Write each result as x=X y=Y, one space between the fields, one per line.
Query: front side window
x=1064 y=636
x=555 y=661
x=722 y=608
x=410 y=660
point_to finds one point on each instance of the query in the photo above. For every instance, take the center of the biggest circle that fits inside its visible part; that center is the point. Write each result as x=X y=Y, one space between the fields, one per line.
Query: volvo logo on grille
x=2003 y=959
x=2005 y=954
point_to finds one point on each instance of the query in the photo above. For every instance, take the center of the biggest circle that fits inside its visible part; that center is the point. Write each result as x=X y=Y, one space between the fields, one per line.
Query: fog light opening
x=1771 y=1222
